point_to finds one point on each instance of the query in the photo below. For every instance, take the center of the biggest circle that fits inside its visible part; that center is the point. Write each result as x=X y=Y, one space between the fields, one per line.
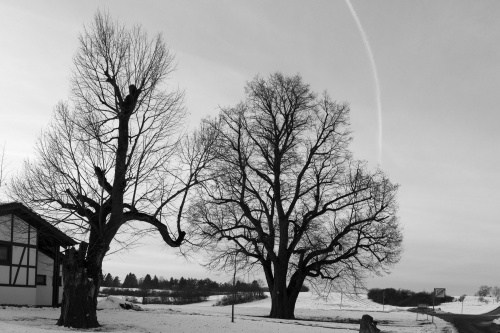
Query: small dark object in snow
x=368 y=325
x=126 y=306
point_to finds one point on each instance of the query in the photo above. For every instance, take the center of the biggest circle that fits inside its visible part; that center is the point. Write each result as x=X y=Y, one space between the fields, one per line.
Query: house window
x=41 y=280
x=4 y=254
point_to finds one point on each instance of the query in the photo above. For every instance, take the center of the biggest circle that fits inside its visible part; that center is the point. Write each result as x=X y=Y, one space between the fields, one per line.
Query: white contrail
x=375 y=75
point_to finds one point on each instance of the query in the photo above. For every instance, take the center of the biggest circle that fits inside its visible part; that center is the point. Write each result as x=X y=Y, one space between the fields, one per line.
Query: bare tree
x=114 y=157
x=484 y=291
x=3 y=166
x=288 y=196
x=495 y=291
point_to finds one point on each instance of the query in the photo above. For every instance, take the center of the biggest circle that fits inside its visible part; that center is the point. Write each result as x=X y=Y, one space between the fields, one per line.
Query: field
x=317 y=314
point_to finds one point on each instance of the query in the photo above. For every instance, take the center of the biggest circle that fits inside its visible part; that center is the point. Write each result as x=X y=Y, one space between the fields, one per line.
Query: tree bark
x=283 y=298
x=78 y=309
x=282 y=306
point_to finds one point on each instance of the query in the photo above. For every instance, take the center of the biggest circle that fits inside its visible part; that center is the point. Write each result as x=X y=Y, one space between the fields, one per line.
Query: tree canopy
x=287 y=195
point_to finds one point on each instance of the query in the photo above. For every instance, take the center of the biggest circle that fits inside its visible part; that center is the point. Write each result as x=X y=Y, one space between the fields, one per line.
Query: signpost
x=234 y=290
x=438 y=293
x=462 y=299
x=423 y=308
x=383 y=300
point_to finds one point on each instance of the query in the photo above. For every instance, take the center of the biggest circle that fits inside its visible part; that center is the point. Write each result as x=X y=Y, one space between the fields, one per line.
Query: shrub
x=403 y=297
x=239 y=298
x=122 y=292
x=177 y=299
x=160 y=297
x=483 y=291
x=482 y=299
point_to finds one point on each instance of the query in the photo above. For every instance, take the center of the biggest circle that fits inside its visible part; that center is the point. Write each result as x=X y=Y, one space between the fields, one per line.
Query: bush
x=482 y=299
x=176 y=298
x=160 y=297
x=122 y=292
x=244 y=297
x=403 y=297
x=483 y=291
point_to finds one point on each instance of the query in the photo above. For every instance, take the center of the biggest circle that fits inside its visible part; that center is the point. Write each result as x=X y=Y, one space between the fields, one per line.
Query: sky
x=438 y=67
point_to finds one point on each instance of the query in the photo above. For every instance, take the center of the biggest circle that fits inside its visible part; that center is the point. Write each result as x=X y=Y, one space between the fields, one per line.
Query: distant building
x=29 y=249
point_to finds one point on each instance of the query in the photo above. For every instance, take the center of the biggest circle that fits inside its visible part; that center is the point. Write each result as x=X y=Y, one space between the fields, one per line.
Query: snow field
x=472 y=305
x=316 y=314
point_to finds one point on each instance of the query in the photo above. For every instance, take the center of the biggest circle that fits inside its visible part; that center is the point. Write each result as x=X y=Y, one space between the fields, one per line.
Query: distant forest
x=403 y=297
x=148 y=282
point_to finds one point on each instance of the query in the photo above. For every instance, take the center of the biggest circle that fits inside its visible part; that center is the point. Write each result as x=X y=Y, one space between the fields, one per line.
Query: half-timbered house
x=30 y=257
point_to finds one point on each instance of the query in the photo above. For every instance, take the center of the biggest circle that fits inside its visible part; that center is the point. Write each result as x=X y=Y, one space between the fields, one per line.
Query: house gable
x=26 y=239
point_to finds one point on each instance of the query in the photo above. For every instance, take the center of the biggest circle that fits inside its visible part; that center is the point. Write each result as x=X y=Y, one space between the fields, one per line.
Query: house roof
x=37 y=221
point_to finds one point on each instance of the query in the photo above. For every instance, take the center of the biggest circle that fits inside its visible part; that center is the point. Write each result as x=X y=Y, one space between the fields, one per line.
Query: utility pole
x=234 y=290
x=433 y=310
x=383 y=301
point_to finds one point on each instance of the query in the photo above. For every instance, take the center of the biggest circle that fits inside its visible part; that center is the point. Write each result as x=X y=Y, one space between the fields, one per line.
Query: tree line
x=203 y=285
x=404 y=297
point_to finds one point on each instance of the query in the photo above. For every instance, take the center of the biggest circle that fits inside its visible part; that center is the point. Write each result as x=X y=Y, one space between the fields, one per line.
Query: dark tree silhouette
x=484 y=291
x=287 y=195
x=155 y=284
x=3 y=166
x=116 y=282
x=115 y=156
x=108 y=281
x=147 y=282
x=130 y=281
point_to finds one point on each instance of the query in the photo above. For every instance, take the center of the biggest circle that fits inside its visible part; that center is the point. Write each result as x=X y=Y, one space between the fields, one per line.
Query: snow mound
x=112 y=302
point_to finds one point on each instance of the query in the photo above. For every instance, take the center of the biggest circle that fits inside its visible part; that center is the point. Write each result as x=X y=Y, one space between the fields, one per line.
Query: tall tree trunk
x=283 y=298
x=82 y=277
x=282 y=306
x=78 y=309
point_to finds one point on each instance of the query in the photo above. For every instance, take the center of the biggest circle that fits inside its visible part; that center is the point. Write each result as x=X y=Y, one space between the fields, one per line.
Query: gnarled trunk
x=283 y=298
x=283 y=304
x=78 y=308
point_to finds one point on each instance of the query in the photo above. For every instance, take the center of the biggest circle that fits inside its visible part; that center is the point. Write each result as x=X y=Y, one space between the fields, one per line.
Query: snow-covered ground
x=317 y=314
x=471 y=305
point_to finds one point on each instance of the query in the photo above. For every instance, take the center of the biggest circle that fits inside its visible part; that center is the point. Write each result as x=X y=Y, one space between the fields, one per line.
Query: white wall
x=44 y=295
x=21 y=275
x=17 y=252
x=45 y=267
x=4 y=274
x=17 y=295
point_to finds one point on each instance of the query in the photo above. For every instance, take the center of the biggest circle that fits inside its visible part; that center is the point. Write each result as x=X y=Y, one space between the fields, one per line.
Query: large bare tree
x=3 y=166
x=288 y=196
x=114 y=155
